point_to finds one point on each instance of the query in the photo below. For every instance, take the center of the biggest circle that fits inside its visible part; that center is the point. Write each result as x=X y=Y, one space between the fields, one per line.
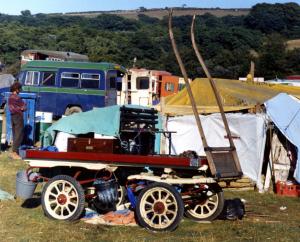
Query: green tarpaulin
x=105 y=121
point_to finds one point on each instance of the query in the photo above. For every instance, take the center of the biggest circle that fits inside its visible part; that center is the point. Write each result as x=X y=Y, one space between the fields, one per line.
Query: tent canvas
x=248 y=131
x=284 y=111
x=236 y=95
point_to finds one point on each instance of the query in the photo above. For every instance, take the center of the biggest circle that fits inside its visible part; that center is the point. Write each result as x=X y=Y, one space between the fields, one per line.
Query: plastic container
x=24 y=187
x=288 y=190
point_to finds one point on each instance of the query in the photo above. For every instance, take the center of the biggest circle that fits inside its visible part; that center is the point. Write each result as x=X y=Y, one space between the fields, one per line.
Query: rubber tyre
x=166 y=206
x=208 y=209
x=63 y=198
x=73 y=110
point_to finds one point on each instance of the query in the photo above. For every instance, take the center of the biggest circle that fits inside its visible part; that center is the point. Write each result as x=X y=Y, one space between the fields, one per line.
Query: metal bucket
x=24 y=187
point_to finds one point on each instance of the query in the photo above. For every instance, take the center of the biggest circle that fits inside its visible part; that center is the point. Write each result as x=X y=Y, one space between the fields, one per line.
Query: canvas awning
x=236 y=95
x=284 y=111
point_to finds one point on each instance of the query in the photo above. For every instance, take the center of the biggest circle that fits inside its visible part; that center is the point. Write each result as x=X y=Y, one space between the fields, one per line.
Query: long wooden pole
x=212 y=83
x=188 y=87
x=217 y=95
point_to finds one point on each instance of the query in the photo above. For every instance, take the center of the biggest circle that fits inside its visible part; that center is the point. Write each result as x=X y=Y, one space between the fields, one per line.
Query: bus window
x=112 y=82
x=69 y=79
x=142 y=83
x=90 y=80
x=48 y=78
x=169 y=87
x=32 y=78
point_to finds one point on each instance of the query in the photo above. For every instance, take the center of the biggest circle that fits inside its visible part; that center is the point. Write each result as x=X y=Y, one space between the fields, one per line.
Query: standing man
x=16 y=107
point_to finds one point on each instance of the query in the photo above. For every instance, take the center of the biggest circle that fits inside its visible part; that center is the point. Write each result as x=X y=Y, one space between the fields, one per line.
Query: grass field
x=264 y=220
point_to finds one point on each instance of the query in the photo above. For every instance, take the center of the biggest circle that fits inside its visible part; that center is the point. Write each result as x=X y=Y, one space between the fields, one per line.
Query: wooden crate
x=93 y=145
x=288 y=190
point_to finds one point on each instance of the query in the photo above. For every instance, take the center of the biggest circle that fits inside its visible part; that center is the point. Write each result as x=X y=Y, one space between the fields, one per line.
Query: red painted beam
x=149 y=160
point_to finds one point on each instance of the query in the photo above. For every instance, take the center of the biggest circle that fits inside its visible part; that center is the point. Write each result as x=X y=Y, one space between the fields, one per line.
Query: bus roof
x=36 y=64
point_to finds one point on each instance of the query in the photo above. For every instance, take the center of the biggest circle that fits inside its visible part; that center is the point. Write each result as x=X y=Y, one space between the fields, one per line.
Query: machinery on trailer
x=160 y=188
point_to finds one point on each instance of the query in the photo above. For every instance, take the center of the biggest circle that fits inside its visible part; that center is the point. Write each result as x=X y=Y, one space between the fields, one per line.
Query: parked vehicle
x=146 y=87
x=69 y=87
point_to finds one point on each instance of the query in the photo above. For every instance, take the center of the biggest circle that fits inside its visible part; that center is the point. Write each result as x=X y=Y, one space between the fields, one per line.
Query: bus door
x=113 y=80
x=141 y=95
x=47 y=91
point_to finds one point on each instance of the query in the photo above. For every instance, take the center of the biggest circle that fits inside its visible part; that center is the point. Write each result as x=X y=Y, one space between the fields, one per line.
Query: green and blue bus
x=67 y=87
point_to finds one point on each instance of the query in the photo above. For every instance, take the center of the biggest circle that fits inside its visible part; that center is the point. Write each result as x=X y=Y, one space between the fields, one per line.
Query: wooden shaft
x=212 y=83
x=188 y=87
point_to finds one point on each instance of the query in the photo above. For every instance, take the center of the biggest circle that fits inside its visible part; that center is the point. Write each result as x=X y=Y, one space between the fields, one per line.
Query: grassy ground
x=264 y=221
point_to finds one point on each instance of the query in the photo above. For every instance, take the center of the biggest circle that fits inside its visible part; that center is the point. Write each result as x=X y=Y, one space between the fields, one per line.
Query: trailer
x=160 y=195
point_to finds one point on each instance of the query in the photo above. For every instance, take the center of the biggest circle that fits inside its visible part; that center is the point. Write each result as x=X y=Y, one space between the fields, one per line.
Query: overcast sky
x=61 y=6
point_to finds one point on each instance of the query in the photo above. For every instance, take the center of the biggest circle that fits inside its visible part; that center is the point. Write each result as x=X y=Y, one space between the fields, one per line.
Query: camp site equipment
x=160 y=188
x=220 y=159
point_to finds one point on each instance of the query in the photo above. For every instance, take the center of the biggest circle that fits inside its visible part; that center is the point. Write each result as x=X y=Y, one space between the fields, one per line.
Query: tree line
x=228 y=43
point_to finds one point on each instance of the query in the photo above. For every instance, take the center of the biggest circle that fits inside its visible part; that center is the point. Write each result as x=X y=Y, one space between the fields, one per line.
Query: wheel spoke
x=159 y=219
x=159 y=195
x=208 y=208
x=67 y=190
x=53 y=194
x=166 y=218
x=149 y=211
x=148 y=203
x=63 y=186
x=68 y=209
x=171 y=212
x=74 y=196
x=52 y=201
x=196 y=207
x=57 y=189
x=170 y=204
x=56 y=208
x=211 y=203
x=166 y=198
x=74 y=204
x=152 y=196
x=152 y=219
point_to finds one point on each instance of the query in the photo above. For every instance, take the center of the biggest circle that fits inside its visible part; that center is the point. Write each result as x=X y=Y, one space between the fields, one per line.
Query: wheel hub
x=62 y=199
x=159 y=207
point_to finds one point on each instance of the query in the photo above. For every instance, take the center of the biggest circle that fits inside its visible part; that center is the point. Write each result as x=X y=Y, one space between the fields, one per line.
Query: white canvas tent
x=248 y=131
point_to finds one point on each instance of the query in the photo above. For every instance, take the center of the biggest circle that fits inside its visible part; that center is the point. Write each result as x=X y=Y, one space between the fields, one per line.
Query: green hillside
x=226 y=42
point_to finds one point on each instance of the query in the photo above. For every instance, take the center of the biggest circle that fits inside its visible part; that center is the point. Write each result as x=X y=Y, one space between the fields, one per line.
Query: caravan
x=146 y=87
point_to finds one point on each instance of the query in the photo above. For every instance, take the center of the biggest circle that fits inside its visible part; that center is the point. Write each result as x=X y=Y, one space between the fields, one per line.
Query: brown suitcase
x=93 y=145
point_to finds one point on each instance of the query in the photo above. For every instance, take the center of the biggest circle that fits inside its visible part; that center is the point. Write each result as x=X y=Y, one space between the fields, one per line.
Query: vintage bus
x=67 y=87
